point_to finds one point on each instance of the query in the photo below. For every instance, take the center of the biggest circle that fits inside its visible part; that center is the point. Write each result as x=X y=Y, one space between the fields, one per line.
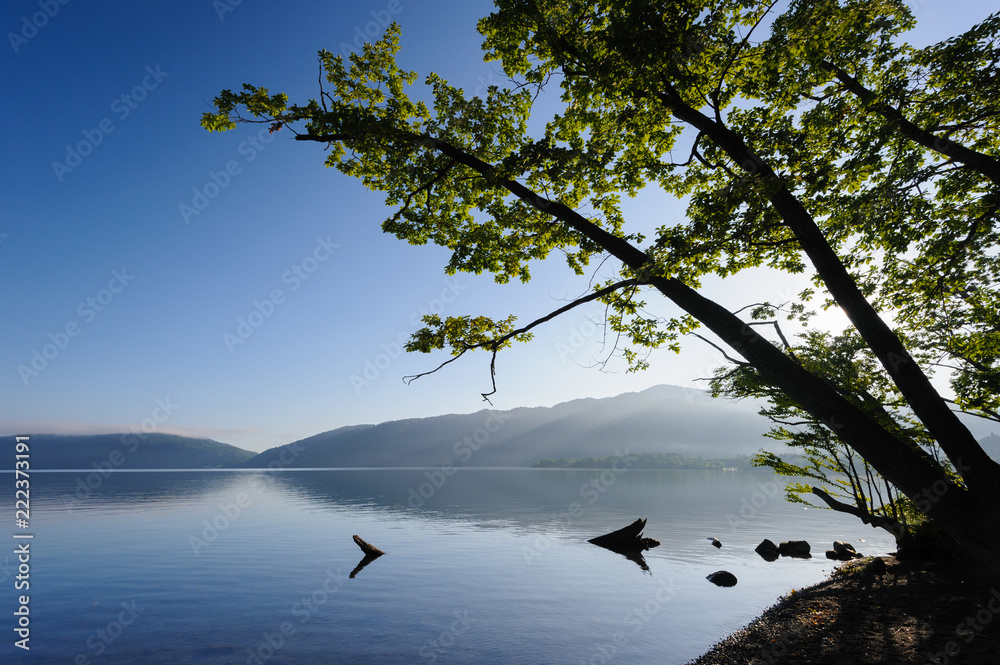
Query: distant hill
x=991 y=444
x=663 y=419
x=126 y=451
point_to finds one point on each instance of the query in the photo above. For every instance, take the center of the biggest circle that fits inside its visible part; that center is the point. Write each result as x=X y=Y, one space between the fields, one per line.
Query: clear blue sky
x=131 y=300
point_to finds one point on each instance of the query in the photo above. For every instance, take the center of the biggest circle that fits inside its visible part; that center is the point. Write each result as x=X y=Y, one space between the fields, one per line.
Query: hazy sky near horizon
x=123 y=305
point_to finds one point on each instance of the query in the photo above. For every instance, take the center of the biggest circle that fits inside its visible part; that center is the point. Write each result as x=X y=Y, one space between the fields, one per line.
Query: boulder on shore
x=722 y=578
x=795 y=548
x=767 y=550
x=872 y=573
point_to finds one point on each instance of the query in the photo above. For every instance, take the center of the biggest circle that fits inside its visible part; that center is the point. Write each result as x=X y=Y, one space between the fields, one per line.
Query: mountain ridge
x=662 y=419
x=658 y=419
x=107 y=452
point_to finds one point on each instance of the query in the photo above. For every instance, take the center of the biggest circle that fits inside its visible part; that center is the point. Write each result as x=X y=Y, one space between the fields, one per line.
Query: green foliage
x=900 y=214
x=460 y=333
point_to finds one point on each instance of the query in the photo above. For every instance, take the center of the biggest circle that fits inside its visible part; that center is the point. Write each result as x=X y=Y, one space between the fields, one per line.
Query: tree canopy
x=807 y=137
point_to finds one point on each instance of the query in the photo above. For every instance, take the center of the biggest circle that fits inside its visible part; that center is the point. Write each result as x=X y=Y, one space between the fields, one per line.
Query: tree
x=813 y=141
x=841 y=479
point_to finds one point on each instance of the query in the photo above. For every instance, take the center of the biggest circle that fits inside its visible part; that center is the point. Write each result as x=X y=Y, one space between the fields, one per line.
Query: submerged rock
x=722 y=578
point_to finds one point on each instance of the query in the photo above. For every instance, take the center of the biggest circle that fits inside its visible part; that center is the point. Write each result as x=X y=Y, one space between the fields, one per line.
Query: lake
x=482 y=566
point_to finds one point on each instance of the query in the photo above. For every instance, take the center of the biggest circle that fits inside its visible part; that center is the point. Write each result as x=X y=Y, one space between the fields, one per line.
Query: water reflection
x=635 y=556
x=367 y=559
x=507 y=547
x=72 y=490
x=557 y=503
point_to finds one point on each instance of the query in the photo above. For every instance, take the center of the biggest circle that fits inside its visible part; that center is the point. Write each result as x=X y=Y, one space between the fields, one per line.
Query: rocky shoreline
x=922 y=612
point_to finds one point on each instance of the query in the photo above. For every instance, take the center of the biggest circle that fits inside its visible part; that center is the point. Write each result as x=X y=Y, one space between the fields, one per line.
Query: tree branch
x=739 y=363
x=982 y=163
x=879 y=521
x=494 y=344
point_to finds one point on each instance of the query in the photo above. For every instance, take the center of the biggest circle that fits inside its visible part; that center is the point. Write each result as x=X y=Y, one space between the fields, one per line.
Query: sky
x=159 y=277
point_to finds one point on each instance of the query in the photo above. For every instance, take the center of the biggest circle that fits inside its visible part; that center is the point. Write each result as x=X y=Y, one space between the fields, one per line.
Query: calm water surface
x=491 y=566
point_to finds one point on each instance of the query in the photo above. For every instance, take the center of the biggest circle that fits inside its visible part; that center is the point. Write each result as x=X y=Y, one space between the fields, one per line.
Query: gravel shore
x=914 y=613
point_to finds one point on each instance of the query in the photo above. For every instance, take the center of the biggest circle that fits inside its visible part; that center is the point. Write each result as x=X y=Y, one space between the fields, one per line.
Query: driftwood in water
x=371 y=553
x=368 y=548
x=628 y=542
x=627 y=539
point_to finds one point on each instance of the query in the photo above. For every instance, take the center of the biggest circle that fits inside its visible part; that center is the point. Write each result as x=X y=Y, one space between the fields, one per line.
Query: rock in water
x=722 y=578
x=796 y=548
x=715 y=542
x=767 y=550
